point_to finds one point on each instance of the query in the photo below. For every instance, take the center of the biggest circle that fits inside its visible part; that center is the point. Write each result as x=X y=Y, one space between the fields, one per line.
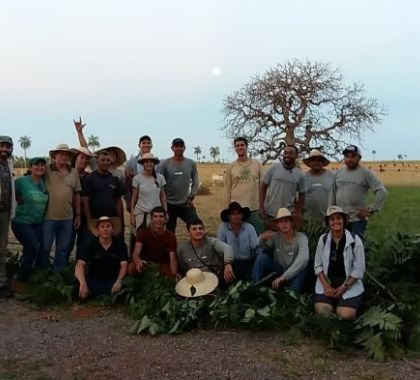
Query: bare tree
x=301 y=103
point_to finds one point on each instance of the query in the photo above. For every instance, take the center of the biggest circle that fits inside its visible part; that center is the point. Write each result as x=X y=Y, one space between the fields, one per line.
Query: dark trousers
x=182 y=211
x=100 y=286
x=243 y=269
x=358 y=228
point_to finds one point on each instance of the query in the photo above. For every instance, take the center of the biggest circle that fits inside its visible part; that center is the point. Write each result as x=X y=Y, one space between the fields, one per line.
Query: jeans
x=358 y=228
x=182 y=211
x=30 y=236
x=100 y=286
x=265 y=265
x=61 y=232
x=4 y=233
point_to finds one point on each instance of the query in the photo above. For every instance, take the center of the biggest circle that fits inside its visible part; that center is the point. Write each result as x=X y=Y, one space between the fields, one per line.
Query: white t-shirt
x=148 y=192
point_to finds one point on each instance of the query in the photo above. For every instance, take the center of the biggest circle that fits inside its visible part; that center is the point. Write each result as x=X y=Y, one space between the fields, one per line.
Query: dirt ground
x=87 y=342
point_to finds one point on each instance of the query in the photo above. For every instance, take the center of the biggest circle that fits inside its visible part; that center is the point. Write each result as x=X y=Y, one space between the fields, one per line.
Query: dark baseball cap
x=37 y=160
x=178 y=141
x=145 y=137
x=352 y=149
x=6 y=139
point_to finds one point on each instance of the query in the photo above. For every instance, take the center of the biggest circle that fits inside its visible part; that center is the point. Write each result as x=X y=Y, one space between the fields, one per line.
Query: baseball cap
x=37 y=160
x=6 y=139
x=178 y=141
x=353 y=149
x=145 y=137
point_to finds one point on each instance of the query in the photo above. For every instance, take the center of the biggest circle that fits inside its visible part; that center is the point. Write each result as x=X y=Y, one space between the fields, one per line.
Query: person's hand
x=77 y=222
x=278 y=282
x=133 y=220
x=139 y=263
x=267 y=235
x=177 y=277
x=228 y=273
x=329 y=291
x=190 y=203
x=78 y=124
x=363 y=213
x=83 y=290
x=340 y=291
x=116 y=287
x=262 y=213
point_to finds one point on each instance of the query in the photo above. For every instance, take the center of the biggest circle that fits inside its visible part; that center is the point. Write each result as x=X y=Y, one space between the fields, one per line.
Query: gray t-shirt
x=317 y=194
x=5 y=187
x=350 y=191
x=148 y=192
x=181 y=179
x=292 y=256
x=283 y=184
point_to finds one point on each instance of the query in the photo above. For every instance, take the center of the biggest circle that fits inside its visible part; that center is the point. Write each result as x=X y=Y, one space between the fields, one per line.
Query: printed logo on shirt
x=178 y=173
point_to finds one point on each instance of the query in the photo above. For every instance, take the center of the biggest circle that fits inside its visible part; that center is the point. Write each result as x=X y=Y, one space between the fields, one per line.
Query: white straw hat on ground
x=196 y=283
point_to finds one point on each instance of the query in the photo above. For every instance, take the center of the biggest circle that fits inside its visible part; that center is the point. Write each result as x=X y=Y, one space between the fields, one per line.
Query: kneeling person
x=291 y=254
x=106 y=258
x=155 y=244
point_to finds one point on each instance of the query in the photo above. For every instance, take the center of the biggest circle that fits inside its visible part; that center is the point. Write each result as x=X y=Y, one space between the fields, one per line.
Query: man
x=63 y=186
x=7 y=207
x=182 y=184
x=106 y=258
x=319 y=184
x=350 y=191
x=279 y=186
x=241 y=236
x=242 y=183
x=290 y=254
x=206 y=253
x=102 y=191
x=155 y=244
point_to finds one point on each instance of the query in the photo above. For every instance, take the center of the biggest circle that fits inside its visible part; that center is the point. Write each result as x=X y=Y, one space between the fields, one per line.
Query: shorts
x=353 y=302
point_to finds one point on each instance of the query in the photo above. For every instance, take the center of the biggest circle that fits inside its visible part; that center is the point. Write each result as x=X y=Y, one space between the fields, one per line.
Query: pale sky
x=163 y=68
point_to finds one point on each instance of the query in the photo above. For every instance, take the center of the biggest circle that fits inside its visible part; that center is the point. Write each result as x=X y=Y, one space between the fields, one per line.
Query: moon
x=216 y=71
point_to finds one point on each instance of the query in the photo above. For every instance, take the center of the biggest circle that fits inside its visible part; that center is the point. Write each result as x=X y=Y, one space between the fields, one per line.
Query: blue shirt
x=244 y=244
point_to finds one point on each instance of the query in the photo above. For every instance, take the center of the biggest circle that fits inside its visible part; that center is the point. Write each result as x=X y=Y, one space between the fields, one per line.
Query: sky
x=163 y=67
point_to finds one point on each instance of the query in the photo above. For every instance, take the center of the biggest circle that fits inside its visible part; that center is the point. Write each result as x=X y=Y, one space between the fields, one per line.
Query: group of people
x=77 y=200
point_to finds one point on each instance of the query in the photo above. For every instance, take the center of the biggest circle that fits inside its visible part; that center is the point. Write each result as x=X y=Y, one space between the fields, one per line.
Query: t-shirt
x=242 y=183
x=283 y=184
x=181 y=179
x=5 y=186
x=104 y=263
x=61 y=189
x=317 y=195
x=102 y=190
x=35 y=199
x=156 y=247
x=148 y=191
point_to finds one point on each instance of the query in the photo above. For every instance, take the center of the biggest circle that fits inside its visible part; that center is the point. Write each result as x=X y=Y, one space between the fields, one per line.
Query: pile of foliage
x=389 y=322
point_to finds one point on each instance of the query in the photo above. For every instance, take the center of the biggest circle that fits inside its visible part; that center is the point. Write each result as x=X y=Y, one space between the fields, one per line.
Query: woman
x=147 y=192
x=27 y=224
x=339 y=266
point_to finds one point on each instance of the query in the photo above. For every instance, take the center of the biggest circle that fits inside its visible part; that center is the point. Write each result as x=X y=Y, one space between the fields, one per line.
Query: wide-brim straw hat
x=120 y=156
x=61 y=148
x=116 y=225
x=235 y=206
x=331 y=210
x=196 y=283
x=83 y=150
x=316 y=153
x=148 y=156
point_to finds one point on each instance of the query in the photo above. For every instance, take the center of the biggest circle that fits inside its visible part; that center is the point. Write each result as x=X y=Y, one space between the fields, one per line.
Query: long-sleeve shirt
x=244 y=244
x=293 y=256
x=181 y=179
x=350 y=191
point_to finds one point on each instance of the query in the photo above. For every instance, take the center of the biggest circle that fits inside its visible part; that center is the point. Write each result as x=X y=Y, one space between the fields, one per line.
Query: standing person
x=242 y=183
x=339 y=267
x=319 y=184
x=7 y=207
x=350 y=191
x=157 y=245
x=147 y=192
x=241 y=236
x=107 y=261
x=291 y=253
x=102 y=191
x=63 y=186
x=279 y=186
x=32 y=198
x=182 y=184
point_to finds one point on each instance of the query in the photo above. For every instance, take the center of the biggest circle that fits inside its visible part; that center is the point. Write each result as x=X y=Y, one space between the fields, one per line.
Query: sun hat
x=6 y=139
x=37 y=160
x=316 y=153
x=196 y=283
x=235 y=206
x=331 y=210
x=284 y=212
x=120 y=156
x=115 y=221
x=178 y=141
x=353 y=149
x=61 y=148
x=83 y=150
x=148 y=156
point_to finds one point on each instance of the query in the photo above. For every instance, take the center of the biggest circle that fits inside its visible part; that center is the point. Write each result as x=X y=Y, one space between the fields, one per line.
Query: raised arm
x=78 y=124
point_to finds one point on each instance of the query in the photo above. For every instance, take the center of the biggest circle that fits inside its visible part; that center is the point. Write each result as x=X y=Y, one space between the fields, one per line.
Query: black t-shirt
x=104 y=263
x=102 y=190
x=336 y=268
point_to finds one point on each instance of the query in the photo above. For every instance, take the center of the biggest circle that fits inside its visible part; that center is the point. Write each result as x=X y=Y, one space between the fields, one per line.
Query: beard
x=5 y=155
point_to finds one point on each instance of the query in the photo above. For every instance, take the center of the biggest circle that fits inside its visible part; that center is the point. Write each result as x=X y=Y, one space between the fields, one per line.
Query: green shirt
x=34 y=197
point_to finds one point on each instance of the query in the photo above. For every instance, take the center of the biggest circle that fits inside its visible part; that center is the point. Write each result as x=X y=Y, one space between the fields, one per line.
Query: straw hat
x=284 y=212
x=196 y=283
x=148 y=156
x=316 y=153
x=116 y=224
x=336 y=210
x=61 y=148
x=235 y=206
x=120 y=156
x=83 y=150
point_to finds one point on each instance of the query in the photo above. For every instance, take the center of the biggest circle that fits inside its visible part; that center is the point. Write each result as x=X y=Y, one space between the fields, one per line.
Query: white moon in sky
x=216 y=71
